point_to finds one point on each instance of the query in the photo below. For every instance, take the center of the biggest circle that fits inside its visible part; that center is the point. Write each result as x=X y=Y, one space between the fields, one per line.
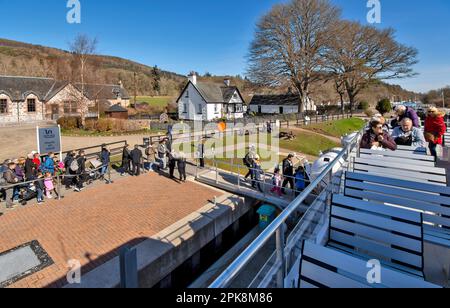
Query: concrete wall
x=161 y=254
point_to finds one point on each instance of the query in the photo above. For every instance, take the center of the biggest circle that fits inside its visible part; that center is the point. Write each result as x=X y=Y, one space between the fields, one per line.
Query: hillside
x=22 y=59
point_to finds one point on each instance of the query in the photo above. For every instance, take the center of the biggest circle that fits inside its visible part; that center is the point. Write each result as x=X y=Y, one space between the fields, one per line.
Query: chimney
x=227 y=82
x=120 y=84
x=193 y=78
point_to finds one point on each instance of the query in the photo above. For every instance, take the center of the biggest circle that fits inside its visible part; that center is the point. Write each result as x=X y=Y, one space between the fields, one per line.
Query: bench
x=413 y=150
x=398 y=154
x=406 y=169
x=398 y=160
x=431 y=200
x=377 y=231
x=323 y=267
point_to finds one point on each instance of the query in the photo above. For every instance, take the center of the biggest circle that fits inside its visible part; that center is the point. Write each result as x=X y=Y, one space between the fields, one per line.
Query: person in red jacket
x=376 y=137
x=435 y=129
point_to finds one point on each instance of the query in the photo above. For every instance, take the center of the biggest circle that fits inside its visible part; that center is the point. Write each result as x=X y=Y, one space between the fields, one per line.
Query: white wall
x=192 y=102
x=274 y=109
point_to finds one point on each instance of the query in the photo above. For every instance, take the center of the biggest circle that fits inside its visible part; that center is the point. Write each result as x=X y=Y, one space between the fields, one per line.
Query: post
x=280 y=257
x=239 y=177
x=128 y=269
x=264 y=183
x=58 y=186
x=217 y=171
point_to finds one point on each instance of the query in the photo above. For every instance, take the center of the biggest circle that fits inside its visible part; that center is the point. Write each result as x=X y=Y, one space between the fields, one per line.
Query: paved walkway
x=92 y=226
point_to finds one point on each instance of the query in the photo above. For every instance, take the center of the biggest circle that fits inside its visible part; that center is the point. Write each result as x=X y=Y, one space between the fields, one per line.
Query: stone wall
x=17 y=112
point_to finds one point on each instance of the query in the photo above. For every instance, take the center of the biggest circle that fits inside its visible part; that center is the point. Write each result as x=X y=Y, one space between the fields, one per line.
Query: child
x=277 y=178
x=40 y=187
x=49 y=185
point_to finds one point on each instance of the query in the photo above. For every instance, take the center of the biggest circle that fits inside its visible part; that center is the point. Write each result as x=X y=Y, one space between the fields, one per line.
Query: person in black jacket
x=172 y=165
x=69 y=180
x=182 y=167
x=81 y=172
x=288 y=173
x=30 y=168
x=136 y=159
x=126 y=157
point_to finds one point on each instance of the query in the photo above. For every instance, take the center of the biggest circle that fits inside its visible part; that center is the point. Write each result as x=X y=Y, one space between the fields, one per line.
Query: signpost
x=49 y=140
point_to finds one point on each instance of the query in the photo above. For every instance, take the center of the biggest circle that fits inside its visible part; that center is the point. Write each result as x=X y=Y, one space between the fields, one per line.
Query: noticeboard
x=49 y=139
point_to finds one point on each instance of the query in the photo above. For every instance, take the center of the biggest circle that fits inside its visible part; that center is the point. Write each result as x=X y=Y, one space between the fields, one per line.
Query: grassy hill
x=22 y=59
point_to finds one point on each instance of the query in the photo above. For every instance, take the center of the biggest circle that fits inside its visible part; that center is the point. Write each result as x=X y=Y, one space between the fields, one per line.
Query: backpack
x=247 y=162
x=2 y=177
x=74 y=166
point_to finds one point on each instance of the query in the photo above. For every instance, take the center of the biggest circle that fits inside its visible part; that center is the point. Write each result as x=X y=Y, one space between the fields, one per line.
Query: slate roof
x=18 y=88
x=214 y=93
x=275 y=100
x=103 y=91
x=117 y=108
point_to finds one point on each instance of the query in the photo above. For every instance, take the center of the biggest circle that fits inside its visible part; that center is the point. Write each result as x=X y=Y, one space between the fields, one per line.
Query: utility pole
x=443 y=99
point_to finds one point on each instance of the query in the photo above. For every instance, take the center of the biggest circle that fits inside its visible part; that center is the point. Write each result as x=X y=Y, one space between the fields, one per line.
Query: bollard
x=58 y=186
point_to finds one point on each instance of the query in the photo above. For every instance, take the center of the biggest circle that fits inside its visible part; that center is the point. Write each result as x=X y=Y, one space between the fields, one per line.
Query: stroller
x=27 y=193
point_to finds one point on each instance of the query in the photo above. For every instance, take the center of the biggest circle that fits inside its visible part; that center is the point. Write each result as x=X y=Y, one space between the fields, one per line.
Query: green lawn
x=310 y=144
x=337 y=128
x=156 y=101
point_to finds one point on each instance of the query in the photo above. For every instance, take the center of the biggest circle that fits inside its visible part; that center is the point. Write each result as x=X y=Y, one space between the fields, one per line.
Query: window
x=216 y=108
x=184 y=108
x=70 y=107
x=31 y=105
x=187 y=94
x=3 y=106
x=200 y=109
x=239 y=108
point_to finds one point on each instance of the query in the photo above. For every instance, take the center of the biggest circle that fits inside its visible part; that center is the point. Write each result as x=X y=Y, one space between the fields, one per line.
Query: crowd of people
x=296 y=178
x=405 y=130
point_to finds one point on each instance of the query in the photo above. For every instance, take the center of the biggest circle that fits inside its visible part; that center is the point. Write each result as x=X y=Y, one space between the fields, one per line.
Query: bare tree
x=289 y=44
x=361 y=55
x=82 y=49
x=339 y=86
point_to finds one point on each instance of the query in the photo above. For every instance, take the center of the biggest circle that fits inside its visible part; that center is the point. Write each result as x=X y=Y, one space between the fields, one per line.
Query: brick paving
x=92 y=226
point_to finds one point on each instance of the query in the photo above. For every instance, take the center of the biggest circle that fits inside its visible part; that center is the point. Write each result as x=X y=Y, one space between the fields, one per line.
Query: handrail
x=245 y=257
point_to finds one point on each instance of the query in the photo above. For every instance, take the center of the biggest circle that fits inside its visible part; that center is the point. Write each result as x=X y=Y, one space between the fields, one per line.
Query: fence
x=277 y=264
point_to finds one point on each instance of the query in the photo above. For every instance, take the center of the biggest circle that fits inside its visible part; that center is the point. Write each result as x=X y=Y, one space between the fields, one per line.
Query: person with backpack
x=258 y=174
x=71 y=169
x=301 y=180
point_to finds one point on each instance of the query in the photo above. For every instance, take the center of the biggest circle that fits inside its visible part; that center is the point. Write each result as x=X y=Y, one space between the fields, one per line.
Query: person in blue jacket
x=301 y=180
x=49 y=164
x=105 y=157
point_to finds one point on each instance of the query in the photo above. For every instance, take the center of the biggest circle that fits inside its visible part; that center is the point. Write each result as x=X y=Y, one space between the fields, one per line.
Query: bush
x=363 y=106
x=384 y=106
x=369 y=112
x=69 y=123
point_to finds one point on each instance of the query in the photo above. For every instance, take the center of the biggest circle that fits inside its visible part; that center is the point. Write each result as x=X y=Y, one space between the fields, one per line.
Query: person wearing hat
x=30 y=168
x=11 y=179
x=435 y=129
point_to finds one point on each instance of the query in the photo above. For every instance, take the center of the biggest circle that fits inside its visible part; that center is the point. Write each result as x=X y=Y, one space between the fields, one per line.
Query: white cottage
x=201 y=101
x=278 y=104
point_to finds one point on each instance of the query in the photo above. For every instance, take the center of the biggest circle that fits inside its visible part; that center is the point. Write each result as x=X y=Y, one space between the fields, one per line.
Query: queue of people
x=406 y=131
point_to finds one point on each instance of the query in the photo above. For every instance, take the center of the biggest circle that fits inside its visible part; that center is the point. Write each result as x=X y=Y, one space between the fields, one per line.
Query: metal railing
x=275 y=228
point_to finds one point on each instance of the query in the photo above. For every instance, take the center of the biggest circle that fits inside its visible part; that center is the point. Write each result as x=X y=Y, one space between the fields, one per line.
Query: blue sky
x=212 y=35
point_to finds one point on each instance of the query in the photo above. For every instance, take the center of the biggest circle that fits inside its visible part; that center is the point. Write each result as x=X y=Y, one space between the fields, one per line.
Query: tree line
x=304 y=42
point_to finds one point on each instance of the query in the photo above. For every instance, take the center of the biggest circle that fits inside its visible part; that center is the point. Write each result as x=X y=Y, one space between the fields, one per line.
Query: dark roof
x=18 y=88
x=214 y=92
x=117 y=108
x=103 y=91
x=282 y=100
